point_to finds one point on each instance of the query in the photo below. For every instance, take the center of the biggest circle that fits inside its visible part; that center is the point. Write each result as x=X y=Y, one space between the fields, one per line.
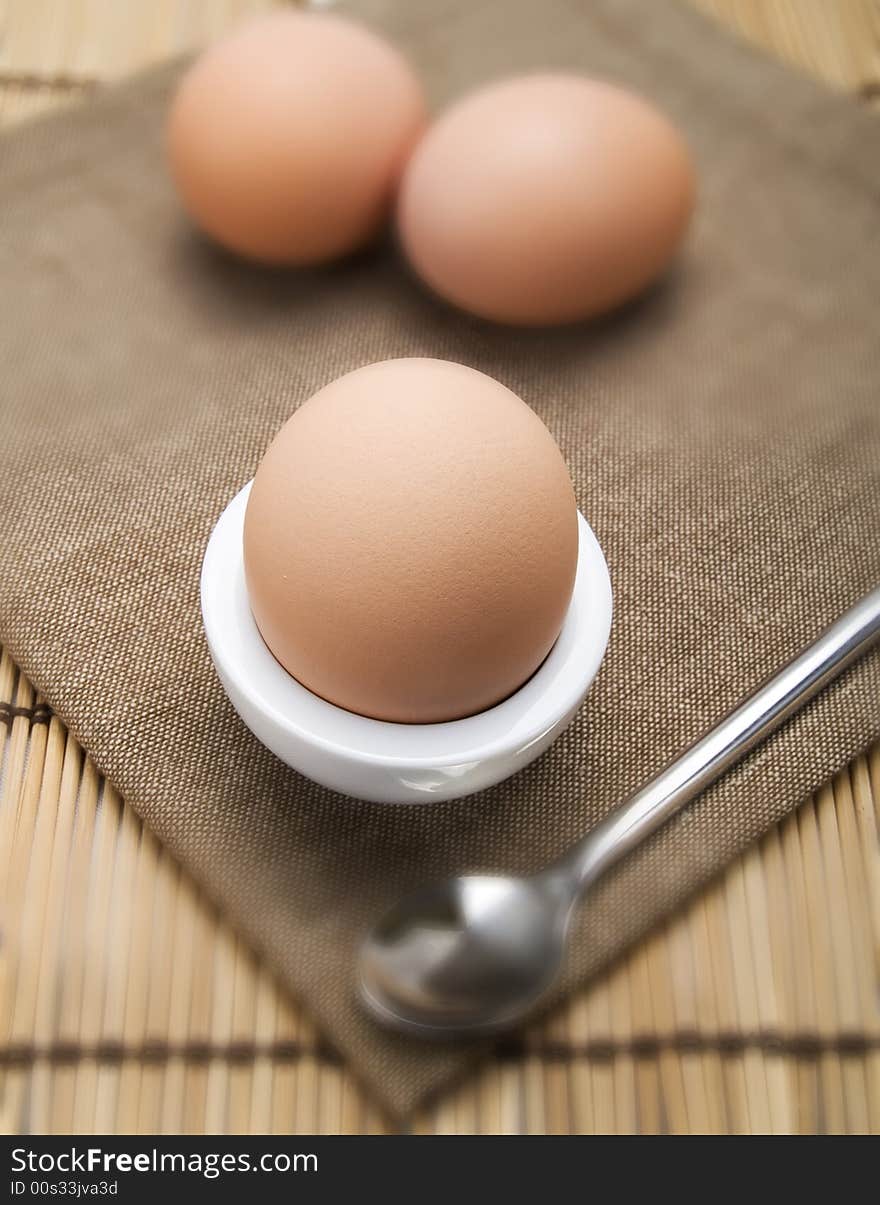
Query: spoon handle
x=625 y=827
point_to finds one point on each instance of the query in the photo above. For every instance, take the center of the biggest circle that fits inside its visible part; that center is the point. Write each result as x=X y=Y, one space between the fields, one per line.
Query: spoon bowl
x=465 y=956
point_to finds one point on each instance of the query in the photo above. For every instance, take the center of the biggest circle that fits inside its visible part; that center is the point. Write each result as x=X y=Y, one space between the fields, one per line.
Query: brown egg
x=410 y=542
x=545 y=199
x=287 y=138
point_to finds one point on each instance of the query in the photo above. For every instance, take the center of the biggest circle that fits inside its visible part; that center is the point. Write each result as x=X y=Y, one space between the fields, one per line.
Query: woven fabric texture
x=723 y=436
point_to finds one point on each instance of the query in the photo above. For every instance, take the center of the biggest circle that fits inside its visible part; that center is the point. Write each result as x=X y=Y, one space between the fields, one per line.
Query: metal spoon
x=477 y=953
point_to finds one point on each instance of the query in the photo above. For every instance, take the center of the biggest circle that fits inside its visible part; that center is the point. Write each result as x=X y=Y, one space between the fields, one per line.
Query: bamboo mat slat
x=126 y=1003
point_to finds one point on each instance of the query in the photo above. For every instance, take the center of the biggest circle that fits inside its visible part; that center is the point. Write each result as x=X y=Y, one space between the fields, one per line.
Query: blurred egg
x=545 y=199
x=287 y=138
x=410 y=542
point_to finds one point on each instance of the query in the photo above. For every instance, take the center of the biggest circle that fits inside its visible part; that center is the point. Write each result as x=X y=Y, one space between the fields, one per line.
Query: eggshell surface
x=545 y=199
x=410 y=542
x=286 y=139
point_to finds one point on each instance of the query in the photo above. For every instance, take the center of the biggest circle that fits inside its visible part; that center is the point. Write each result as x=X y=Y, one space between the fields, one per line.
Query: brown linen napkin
x=723 y=436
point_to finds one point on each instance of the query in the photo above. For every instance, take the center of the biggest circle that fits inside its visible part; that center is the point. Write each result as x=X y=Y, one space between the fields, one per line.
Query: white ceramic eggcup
x=381 y=761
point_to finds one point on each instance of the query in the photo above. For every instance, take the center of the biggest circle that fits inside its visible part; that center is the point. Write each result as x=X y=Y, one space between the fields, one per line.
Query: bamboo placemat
x=126 y=1003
